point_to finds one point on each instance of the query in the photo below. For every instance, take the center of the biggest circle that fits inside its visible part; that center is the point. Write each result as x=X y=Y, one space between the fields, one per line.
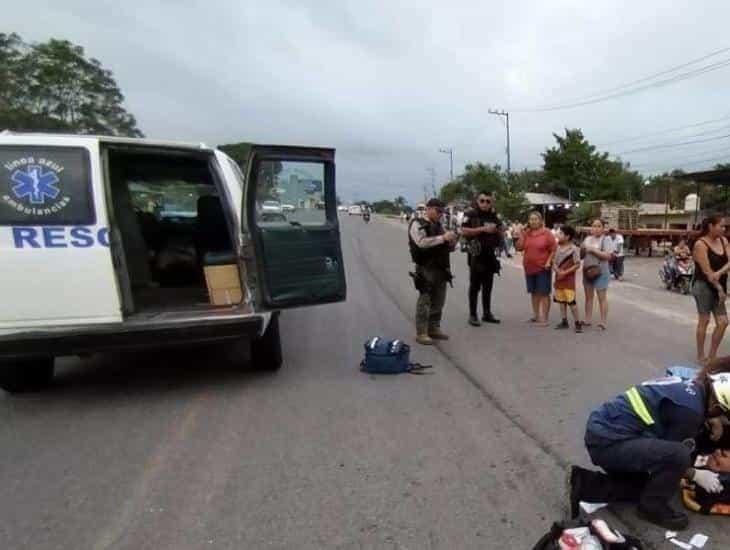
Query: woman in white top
x=596 y=250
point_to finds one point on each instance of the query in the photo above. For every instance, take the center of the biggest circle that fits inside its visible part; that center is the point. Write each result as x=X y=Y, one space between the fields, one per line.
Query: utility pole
x=449 y=151
x=505 y=114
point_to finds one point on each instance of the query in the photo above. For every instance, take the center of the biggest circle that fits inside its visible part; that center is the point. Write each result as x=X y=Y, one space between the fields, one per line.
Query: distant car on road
x=354 y=210
x=342 y=208
x=288 y=208
x=273 y=207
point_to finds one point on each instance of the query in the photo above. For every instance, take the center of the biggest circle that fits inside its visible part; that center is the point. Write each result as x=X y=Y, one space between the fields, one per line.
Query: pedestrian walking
x=538 y=246
x=644 y=440
x=710 y=284
x=483 y=230
x=617 y=262
x=597 y=251
x=565 y=265
x=508 y=241
x=430 y=246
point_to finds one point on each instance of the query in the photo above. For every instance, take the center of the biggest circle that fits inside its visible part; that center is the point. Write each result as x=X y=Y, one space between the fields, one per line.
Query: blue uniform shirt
x=660 y=402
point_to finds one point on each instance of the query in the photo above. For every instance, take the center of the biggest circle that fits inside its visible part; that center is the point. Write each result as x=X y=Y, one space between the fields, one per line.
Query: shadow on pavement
x=106 y=378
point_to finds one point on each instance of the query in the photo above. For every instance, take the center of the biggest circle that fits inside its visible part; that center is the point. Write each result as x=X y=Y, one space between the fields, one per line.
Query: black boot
x=593 y=486
x=663 y=515
x=489 y=318
x=474 y=321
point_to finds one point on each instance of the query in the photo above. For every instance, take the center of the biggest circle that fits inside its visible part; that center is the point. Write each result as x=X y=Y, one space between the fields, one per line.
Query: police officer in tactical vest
x=483 y=229
x=644 y=440
x=430 y=247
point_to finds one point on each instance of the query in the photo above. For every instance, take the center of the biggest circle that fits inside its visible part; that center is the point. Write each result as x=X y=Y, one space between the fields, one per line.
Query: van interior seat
x=135 y=248
x=211 y=231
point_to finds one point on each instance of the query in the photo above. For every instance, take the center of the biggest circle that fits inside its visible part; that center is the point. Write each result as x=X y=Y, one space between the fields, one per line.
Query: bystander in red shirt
x=539 y=245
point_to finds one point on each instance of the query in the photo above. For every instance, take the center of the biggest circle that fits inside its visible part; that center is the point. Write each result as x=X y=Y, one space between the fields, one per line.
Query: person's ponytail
x=707 y=222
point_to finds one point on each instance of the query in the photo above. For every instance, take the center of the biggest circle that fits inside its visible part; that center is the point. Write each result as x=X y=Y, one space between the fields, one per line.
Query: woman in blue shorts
x=596 y=251
x=538 y=247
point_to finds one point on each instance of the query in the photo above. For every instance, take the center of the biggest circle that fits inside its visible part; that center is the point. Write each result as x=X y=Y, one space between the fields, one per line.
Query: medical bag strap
x=418 y=368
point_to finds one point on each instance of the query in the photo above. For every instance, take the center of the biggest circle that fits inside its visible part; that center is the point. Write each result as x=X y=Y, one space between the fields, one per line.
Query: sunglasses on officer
x=485 y=201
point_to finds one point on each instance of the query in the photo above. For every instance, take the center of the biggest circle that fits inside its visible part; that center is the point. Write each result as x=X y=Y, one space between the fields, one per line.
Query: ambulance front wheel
x=26 y=375
x=266 y=350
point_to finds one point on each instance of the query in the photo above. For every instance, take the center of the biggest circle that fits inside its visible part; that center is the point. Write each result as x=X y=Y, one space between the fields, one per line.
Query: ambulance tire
x=266 y=351
x=26 y=375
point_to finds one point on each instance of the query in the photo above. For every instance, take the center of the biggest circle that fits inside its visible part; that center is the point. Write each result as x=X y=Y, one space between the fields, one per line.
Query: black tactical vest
x=436 y=256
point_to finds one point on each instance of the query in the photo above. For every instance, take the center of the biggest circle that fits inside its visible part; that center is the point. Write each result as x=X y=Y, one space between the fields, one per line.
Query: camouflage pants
x=430 y=301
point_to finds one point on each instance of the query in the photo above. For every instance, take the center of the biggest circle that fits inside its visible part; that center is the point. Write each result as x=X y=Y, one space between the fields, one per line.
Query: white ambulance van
x=111 y=243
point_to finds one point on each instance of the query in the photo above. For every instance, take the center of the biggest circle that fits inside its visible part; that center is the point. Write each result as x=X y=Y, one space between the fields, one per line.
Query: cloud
x=388 y=83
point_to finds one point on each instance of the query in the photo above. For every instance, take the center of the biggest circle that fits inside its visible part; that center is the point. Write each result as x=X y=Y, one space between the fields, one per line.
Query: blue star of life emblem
x=35 y=183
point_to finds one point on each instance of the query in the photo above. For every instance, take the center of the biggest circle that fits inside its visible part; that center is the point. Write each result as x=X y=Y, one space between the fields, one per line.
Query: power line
x=664 y=72
x=658 y=84
x=612 y=93
x=701 y=161
x=662 y=132
x=661 y=145
x=669 y=145
x=684 y=158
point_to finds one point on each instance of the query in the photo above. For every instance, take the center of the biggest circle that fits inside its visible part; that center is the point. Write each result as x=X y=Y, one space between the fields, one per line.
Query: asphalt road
x=198 y=450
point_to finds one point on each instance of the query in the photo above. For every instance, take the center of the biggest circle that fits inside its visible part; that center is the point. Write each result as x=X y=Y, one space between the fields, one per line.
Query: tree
x=481 y=177
x=576 y=169
x=385 y=207
x=478 y=177
x=238 y=152
x=53 y=86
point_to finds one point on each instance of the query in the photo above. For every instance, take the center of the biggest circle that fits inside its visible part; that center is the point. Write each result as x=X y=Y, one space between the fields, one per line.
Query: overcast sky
x=389 y=83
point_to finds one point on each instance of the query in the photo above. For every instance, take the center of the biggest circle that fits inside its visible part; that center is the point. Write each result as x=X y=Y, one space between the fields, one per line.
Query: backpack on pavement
x=389 y=357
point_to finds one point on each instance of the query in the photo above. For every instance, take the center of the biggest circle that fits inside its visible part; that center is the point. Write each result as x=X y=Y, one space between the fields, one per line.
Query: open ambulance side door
x=290 y=224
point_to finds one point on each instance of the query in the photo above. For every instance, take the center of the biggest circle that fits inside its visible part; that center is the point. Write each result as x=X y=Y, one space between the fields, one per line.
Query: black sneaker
x=664 y=516
x=489 y=318
x=562 y=324
x=578 y=327
x=473 y=321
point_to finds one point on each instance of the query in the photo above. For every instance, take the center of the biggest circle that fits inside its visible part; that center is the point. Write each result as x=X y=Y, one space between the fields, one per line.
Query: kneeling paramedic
x=430 y=247
x=644 y=439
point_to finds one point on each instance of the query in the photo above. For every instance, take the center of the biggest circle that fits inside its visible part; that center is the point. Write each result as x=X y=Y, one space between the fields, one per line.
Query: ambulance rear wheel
x=266 y=351
x=26 y=375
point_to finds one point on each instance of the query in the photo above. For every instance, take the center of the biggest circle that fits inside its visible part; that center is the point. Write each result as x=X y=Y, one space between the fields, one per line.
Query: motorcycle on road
x=677 y=273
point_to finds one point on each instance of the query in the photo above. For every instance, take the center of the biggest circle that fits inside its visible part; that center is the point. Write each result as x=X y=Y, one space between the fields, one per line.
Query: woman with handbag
x=596 y=253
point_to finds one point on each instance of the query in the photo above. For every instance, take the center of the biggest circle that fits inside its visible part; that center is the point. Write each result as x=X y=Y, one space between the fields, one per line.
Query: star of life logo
x=34 y=186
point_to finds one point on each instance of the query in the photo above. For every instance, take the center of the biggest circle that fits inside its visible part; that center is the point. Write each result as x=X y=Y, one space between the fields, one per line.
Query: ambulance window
x=290 y=193
x=45 y=186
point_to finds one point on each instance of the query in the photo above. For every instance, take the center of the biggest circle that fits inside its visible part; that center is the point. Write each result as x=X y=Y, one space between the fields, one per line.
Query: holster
x=420 y=282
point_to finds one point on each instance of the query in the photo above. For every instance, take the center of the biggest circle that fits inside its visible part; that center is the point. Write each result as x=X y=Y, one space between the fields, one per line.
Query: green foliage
x=238 y=152
x=54 y=86
x=396 y=206
x=575 y=168
x=529 y=181
x=455 y=191
x=385 y=207
x=478 y=177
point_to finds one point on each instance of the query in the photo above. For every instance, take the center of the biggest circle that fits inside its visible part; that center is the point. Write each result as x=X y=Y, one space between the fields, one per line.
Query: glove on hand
x=709 y=481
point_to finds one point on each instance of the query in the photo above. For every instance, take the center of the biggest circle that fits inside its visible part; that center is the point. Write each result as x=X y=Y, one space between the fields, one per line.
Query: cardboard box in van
x=224 y=284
